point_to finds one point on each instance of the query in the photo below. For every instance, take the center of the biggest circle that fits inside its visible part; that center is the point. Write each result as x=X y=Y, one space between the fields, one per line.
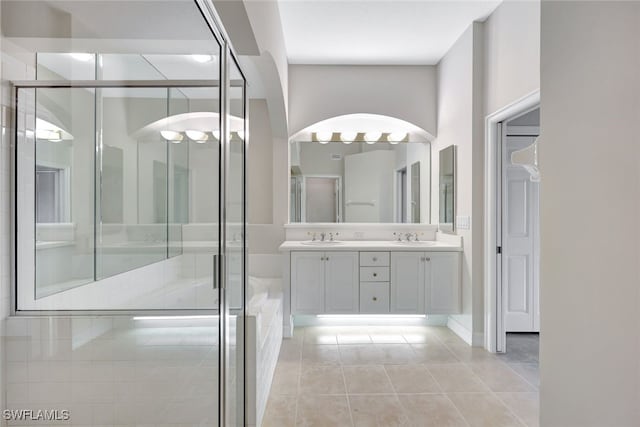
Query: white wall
x=589 y=157
x=457 y=99
x=319 y=92
x=512 y=60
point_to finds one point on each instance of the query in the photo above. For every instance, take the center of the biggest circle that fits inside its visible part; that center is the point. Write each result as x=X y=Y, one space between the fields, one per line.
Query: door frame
x=303 y=196
x=494 y=325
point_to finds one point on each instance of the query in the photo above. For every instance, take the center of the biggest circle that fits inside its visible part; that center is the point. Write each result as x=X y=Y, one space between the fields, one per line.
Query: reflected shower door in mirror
x=121 y=179
x=359 y=182
x=447 y=188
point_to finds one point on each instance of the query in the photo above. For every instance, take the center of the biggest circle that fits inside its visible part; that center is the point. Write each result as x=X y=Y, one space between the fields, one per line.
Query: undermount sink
x=322 y=242
x=414 y=243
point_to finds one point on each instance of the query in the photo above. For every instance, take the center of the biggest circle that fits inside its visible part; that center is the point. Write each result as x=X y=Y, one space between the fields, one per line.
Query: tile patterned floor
x=401 y=376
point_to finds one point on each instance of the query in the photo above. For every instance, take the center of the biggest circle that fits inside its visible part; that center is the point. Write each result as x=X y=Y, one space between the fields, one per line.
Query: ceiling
x=413 y=32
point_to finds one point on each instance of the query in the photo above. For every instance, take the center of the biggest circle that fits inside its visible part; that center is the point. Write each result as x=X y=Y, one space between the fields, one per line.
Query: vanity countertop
x=372 y=245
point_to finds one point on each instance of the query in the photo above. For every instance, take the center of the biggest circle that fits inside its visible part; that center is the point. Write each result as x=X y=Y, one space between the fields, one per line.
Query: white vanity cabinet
x=324 y=282
x=368 y=279
x=425 y=282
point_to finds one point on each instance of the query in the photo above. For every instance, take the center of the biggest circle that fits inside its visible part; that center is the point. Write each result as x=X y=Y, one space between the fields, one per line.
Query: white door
x=442 y=282
x=307 y=282
x=407 y=282
x=520 y=210
x=341 y=282
x=368 y=186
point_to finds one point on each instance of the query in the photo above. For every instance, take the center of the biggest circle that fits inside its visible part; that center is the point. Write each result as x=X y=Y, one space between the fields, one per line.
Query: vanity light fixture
x=197 y=136
x=396 y=137
x=240 y=134
x=47 y=131
x=216 y=134
x=172 y=136
x=372 y=137
x=202 y=59
x=324 y=137
x=84 y=57
x=348 y=137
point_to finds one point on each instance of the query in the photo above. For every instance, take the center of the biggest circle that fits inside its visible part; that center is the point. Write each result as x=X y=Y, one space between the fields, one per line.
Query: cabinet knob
x=375 y=274
x=375 y=258
x=428 y=259
x=375 y=298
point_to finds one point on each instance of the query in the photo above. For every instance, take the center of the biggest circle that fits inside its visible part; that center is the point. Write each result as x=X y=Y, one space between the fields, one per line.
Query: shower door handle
x=216 y=271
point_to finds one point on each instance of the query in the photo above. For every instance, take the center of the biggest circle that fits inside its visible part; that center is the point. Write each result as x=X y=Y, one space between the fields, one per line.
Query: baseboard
x=460 y=330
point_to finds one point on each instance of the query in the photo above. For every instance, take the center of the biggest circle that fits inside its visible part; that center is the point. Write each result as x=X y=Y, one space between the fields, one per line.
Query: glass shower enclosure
x=130 y=237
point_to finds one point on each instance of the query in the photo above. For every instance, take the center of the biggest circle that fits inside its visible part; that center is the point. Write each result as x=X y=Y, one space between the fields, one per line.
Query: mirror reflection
x=447 y=186
x=358 y=182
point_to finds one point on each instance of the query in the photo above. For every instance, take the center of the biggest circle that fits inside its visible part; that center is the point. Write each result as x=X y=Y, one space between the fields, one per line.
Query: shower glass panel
x=235 y=243
x=120 y=168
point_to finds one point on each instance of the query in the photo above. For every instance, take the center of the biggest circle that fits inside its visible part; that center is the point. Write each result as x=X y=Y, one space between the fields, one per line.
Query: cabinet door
x=442 y=282
x=374 y=297
x=307 y=282
x=341 y=282
x=407 y=282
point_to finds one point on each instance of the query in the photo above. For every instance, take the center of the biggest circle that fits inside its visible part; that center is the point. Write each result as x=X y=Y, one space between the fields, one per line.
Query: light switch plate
x=463 y=222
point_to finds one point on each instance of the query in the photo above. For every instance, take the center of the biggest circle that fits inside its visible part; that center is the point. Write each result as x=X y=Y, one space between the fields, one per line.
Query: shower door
x=130 y=252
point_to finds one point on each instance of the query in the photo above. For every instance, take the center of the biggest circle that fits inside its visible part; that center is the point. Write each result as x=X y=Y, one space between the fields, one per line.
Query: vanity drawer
x=374 y=297
x=374 y=259
x=374 y=274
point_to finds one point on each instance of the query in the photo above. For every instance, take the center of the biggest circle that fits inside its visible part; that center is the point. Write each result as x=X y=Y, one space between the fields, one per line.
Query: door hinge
x=499 y=250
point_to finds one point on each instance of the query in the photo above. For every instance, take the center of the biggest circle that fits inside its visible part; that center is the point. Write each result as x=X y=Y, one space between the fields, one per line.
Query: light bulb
x=240 y=134
x=172 y=135
x=84 y=57
x=49 y=135
x=372 y=137
x=216 y=134
x=202 y=59
x=324 y=137
x=197 y=136
x=396 y=137
x=348 y=137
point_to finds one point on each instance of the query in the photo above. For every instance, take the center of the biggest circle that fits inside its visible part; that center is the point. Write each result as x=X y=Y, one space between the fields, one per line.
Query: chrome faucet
x=415 y=237
x=313 y=236
x=399 y=236
x=408 y=236
x=322 y=236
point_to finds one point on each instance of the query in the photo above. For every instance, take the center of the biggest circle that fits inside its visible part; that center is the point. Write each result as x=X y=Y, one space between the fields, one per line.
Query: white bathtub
x=264 y=337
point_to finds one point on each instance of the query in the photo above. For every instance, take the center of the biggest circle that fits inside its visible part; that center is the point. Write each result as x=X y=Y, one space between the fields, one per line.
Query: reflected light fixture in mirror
x=171 y=135
x=202 y=59
x=396 y=137
x=372 y=137
x=197 y=136
x=348 y=137
x=324 y=137
x=216 y=134
x=84 y=57
x=240 y=134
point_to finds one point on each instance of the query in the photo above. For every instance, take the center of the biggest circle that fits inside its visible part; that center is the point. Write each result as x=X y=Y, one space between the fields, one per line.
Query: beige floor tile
x=500 y=377
x=286 y=379
x=525 y=406
x=446 y=335
x=387 y=338
x=319 y=379
x=466 y=353
x=431 y=410
x=433 y=353
x=411 y=379
x=393 y=354
x=320 y=355
x=290 y=351
x=382 y=410
x=484 y=410
x=280 y=412
x=456 y=377
x=366 y=379
x=320 y=339
x=323 y=411
x=362 y=354
x=354 y=338
x=529 y=371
